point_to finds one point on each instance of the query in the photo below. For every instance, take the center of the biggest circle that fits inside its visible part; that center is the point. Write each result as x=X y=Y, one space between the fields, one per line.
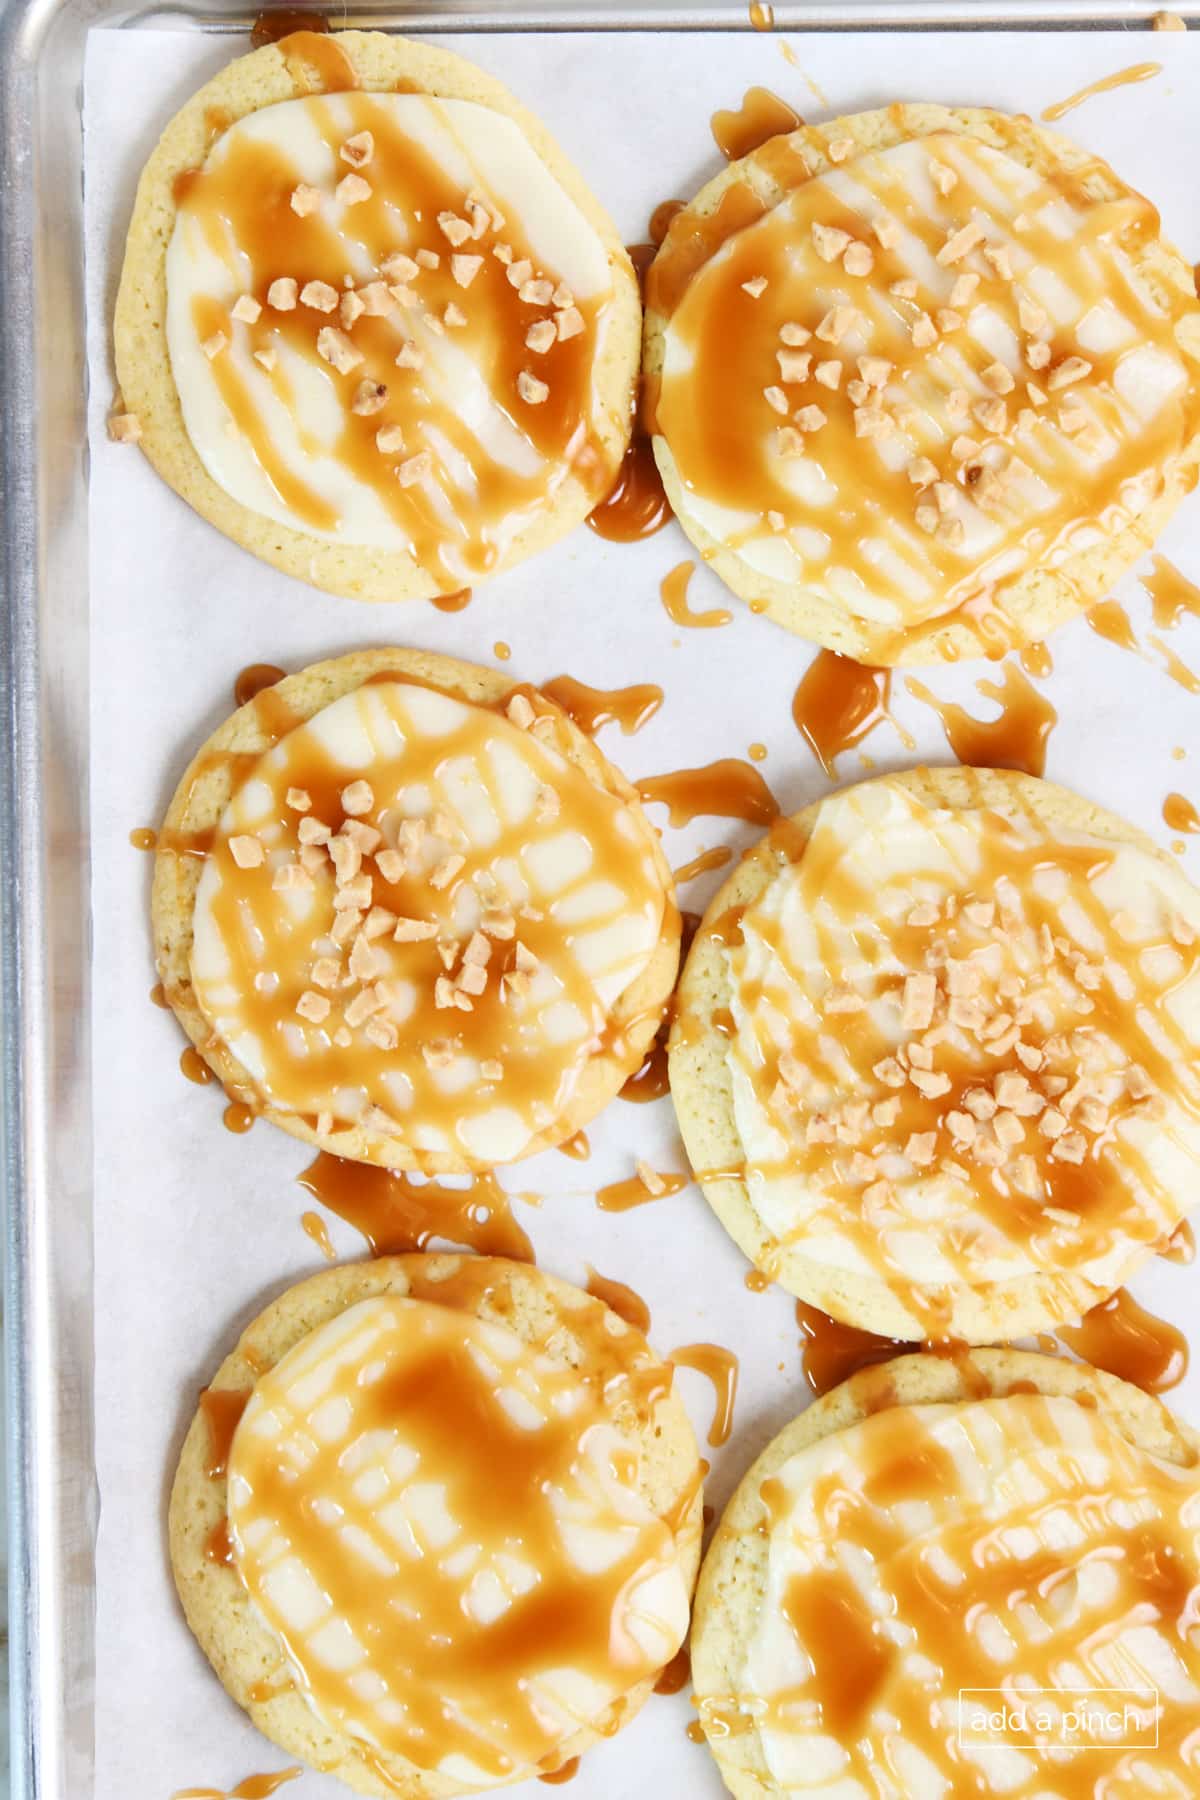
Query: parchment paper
x=196 y=1228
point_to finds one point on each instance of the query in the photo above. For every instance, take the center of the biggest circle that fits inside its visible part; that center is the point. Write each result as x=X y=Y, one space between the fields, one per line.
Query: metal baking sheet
x=47 y=1032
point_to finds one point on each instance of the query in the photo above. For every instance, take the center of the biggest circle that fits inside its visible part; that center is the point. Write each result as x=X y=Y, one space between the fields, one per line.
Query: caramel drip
x=1180 y=1247
x=1015 y=740
x=241 y=203
x=719 y=1366
x=144 y=838
x=1110 y=621
x=1180 y=674
x=253 y=1787
x=831 y=1352
x=650 y=1082
x=270 y=27
x=1036 y=660
x=218 y=1546
x=458 y=1675
x=1179 y=814
x=623 y=1196
x=704 y=864
x=982 y=1602
x=761 y=116
x=756 y=1281
x=674 y=591
x=741 y=407
x=1122 y=1337
x=1171 y=594
x=578 y=1148
x=395 y=1213
x=353 y=1054
x=677 y=1673
x=158 y=996
x=660 y=219
x=315 y=54
x=695 y=1731
x=316 y=1228
x=501 y=651
x=1090 y=1025
x=591 y=708
x=238 y=1118
x=727 y=789
x=254 y=680
x=625 y=1301
x=452 y=603
x=221 y=1409
x=761 y=15
x=565 y=1772
x=636 y=506
x=1121 y=78
x=838 y=703
x=194 y=1067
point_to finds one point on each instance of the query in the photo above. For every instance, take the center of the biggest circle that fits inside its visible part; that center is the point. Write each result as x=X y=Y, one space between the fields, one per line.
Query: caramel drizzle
x=221 y=1409
x=194 y=1067
x=673 y=589
x=241 y=202
x=1122 y=1337
x=1109 y=620
x=462 y=1684
x=1171 y=594
x=260 y=933
x=704 y=863
x=316 y=1229
x=1017 y=739
x=1063 y=1212
x=565 y=1772
x=982 y=1599
x=761 y=116
x=625 y=1301
x=253 y=1787
x=636 y=506
x=839 y=703
x=726 y=445
x=640 y=1189
x=254 y=680
x=1122 y=78
x=677 y=1673
x=726 y=789
x=395 y=1213
x=452 y=603
x=720 y=1367
x=591 y=708
x=1179 y=813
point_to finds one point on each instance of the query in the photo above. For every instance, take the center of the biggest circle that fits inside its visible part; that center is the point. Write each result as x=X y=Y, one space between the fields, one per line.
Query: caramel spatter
x=401 y=360
x=933 y=1567
x=920 y=373
x=443 y=1525
x=975 y=1018
x=417 y=917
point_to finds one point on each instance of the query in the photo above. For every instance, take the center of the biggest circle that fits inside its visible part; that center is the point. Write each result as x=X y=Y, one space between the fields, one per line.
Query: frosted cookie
x=371 y=324
x=928 y=380
x=935 y=1058
x=405 y=909
x=932 y=1530
x=437 y=1522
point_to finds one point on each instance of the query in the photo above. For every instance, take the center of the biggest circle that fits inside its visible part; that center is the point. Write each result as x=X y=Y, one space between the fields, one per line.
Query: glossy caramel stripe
x=1017 y=739
x=243 y=205
x=395 y=1214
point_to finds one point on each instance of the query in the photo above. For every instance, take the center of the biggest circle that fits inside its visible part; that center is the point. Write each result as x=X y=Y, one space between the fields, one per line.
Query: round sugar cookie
x=895 y=406
x=512 y=940
x=572 y=1335
x=372 y=325
x=731 y=1593
x=1002 y=1263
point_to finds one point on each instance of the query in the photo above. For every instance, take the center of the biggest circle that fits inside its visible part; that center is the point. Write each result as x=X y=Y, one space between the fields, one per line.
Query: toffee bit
x=531 y=389
x=358 y=150
x=960 y=243
x=454 y=229
x=246 y=308
x=247 y=852
x=568 y=322
x=464 y=269
x=858 y=260
x=319 y=296
x=755 y=288
x=829 y=241
x=335 y=348
x=369 y=397
x=389 y=439
x=213 y=346
x=414 y=469
x=541 y=336
x=312 y=1006
x=536 y=293
x=305 y=200
x=124 y=428
x=281 y=295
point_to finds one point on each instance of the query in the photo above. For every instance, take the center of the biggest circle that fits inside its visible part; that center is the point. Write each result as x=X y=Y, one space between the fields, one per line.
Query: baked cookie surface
x=998 y=1520
x=934 y=1055
x=408 y=911
x=371 y=324
x=925 y=381
x=464 y=1457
